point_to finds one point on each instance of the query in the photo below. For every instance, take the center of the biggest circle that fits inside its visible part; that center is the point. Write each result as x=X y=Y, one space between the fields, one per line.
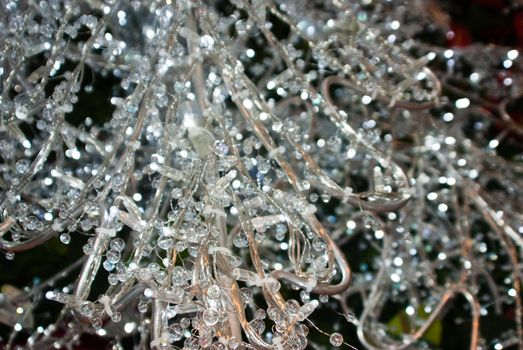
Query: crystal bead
x=65 y=238
x=336 y=339
x=211 y=316
x=87 y=309
x=240 y=240
x=213 y=292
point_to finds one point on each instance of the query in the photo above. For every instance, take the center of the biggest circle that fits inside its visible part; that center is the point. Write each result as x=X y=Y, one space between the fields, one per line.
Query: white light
x=188 y=121
x=351 y=153
x=129 y=327
x=395 y=278
x=366 y=100
x=507 y=64
x=410 y=310
x=206 y=42
x=351 y=225
x=448 y=53
x=392 y=216
x=149 y=33
x=278 y=266
x=432 y=196
x=512 y=54
x=394 y=25
x=435 y=146
x=250 y=53
x=397 y=261
x=512 y=292
x=448 y=117
x=474 y=77
x=443 y=207
x=493 y=143
x=379 y=234
x=137 y=197
x=391 y=38
x=462 y=103
x=18 y=327
x=421 y=76
x=247 y=104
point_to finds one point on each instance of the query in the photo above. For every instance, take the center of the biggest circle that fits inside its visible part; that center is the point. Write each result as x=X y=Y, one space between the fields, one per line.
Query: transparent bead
x=218 y=346
x=260 y=314
x=221 y=149
x=185 y=322
x=240 y=240
x=292 y=306
x=179 y=276
x=143 y=305
x=96 y=323
x=117 y=244
x=336 y=339
x=116 y=317
x=319 y=244
x=175 y=332
x=165 y=243
x=305 y=296
x=246 y=295
x=113 y=256
x=87 y=309
x=351 y=317
x=112 y=279
x=107 y=265
x=22 y=166
x=258 y=326
x=87 y=249
x=214 y=292
x=211 y=316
